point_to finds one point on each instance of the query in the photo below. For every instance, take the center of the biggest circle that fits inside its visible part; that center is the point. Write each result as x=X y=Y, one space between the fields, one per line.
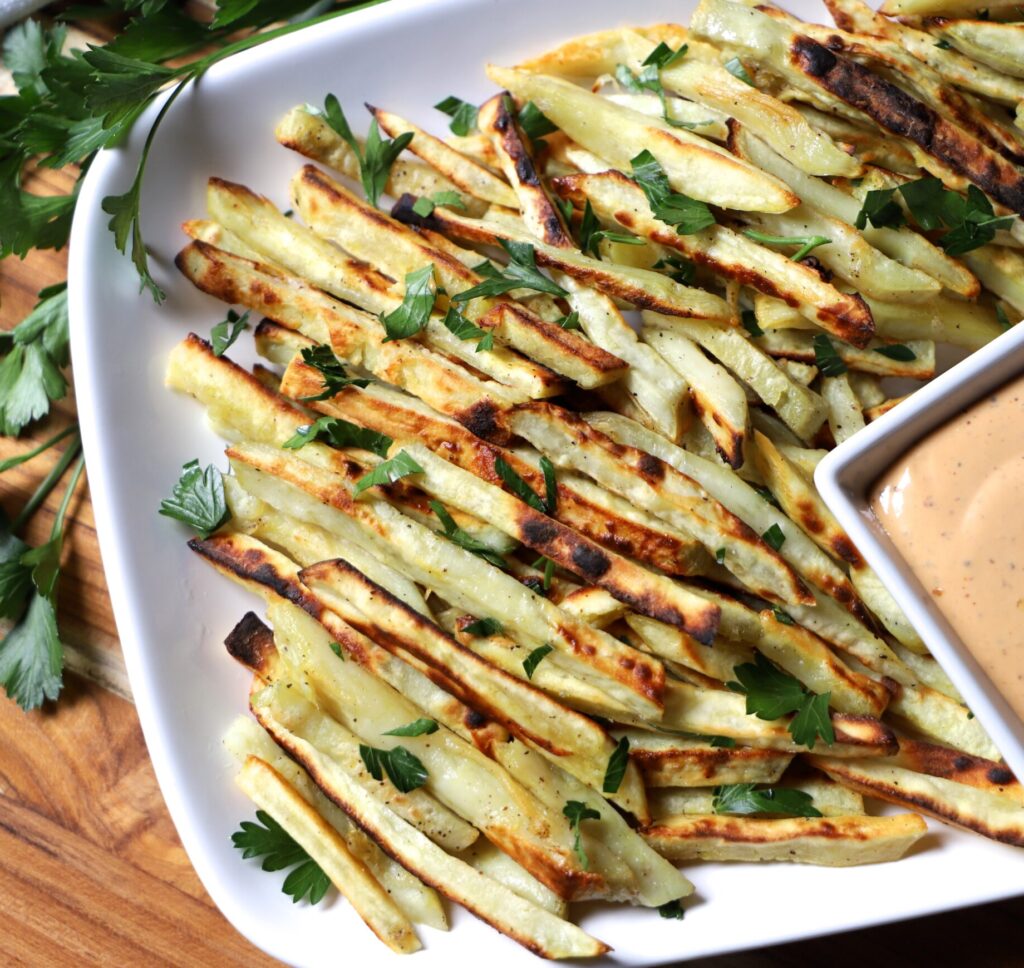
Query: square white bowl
x=845 y=478
x=173 y=613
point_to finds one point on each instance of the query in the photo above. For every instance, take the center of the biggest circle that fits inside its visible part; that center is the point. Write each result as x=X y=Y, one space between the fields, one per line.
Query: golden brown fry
x=988 y=812
x=569 y=441
x=680 y=762
x=691 y=163
x=578 y=744
x=538 y=212
x=828 y=841
x=355 y=336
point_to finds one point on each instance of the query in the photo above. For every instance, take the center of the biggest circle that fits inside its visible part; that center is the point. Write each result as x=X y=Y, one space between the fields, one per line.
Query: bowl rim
x=844 y=479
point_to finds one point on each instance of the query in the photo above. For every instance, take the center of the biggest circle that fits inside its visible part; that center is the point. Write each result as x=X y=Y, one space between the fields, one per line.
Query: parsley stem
x=48 y=484
x=58 y=521
x=258 y=38
x=12 y=462
x=806 y=242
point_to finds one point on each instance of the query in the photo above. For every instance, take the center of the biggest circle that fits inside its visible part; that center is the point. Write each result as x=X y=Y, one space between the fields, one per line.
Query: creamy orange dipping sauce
x=954 y=507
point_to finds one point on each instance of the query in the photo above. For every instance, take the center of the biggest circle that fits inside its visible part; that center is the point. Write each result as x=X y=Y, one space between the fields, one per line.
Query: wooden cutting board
x=91 y=869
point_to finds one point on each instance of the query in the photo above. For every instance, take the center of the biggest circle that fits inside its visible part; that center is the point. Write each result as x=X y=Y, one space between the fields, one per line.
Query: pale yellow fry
x=574 y=741
x=902 y=244
x=845 y=416
x=421 y=904
x=990 y=48
x=670 y=761
x=717 y=396
x=802 y=410
x=692 y=164
x=828 y=797
x=620 y=202
x=439 y=564
x=310 y=135
x=996 y=45
x=1001 y=269
x=798 y=344
x=669 y=493
x=262 y=784
x=740 y=499
x=458 y=169
x=700 y=77
x=514 y=916
x=355 y=336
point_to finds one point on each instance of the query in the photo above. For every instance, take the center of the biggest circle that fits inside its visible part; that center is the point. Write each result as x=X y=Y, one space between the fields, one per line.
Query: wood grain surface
x=91 y=869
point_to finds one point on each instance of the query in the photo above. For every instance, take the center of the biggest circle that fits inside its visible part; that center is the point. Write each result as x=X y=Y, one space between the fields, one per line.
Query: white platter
x=173 y=612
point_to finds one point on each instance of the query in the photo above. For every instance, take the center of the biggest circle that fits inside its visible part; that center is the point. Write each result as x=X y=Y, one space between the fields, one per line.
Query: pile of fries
x=550 y=535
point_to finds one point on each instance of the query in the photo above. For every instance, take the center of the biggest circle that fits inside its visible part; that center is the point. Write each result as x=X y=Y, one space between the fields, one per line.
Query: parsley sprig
x=336 y=378
x=772 y=694
x=31 y=654
x=36 y=351
x=67 y=107
x=375 y=156
x=969 y=220
x=744 y=799
x=688 y=215
x=575 y=811
x=266 y=838
x=520 y=273
x=198 y=499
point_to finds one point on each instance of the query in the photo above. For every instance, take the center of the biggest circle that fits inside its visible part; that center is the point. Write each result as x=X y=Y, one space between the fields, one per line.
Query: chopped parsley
x=575 y=811
x=826 y=357
x=388 y=472
x=744 y=799
x=616 y=768
x=465 y=540
x=340 y=433
x=688 y=215
x=411 y=316
x=403 y=769
x=772 y=694
x=806 y=243
x=535 y=658
x=321 y=357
